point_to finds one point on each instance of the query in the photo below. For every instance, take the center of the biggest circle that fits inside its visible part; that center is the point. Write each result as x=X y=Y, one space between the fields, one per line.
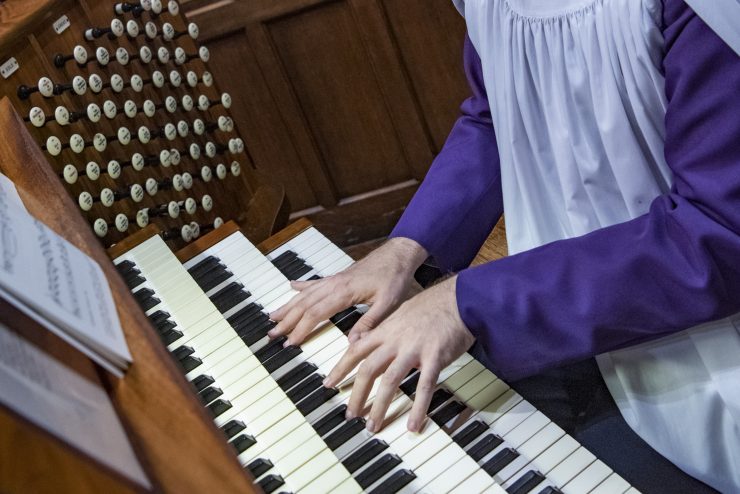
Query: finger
x=422 y=399
x=354 y=354
x=302 y=285
x=286 y=324
x=294 y=302
x=373 y=366
x=370 y=320
x=388 y=389
x=319 y=306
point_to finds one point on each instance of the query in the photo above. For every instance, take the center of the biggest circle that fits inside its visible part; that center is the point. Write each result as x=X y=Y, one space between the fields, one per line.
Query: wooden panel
x=349 y=99
x=257 y=115
x=340 y=97
x=429 y=36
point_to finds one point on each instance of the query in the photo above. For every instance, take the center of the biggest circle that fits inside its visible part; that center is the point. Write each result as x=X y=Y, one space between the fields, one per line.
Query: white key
x=588 y=479
x=574 y=464
x=613 y=484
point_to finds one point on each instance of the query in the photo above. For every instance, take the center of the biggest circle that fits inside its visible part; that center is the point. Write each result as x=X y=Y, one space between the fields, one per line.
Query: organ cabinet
x=120 y=98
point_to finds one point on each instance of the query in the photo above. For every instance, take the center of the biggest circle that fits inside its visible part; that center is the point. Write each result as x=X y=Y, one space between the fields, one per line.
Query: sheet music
x=39 y=388
x=54 y=279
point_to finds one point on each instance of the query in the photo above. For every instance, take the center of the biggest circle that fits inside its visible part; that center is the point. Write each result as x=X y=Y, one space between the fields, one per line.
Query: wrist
x=408 y=252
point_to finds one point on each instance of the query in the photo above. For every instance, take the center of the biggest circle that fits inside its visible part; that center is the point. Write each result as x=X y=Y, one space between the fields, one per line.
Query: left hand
x=426 y=333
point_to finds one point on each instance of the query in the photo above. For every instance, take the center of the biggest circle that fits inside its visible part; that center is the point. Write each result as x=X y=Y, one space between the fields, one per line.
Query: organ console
x=118 y=137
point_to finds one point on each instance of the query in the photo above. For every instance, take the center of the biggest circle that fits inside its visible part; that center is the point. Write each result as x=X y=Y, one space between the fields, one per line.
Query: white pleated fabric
x=578 y=103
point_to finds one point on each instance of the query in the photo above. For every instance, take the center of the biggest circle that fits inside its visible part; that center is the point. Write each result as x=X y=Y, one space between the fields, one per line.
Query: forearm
x=460 y=199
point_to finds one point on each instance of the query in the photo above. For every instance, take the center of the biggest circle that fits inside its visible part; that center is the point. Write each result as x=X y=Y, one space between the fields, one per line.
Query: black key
x=470 y=433
x=125 y=266
x=526 y=482
x=233 y=427
x=364 y=454
x=448 y=412
x=130 y=274
x=214 y=266
x=296 y=375
x=305 y=388
x=248 y=323
x=158 y=316
x=134 y=281
x=270 y=349
x=171 y=336
x=210 y=393
x=297 y=272
x=345 y=432
x=203 y=266
x=271 y=483
x=395 y=482
x=257 y=333
x=439 y=397
x=341 y=315
x=143 y=294
x=165 y=326
x=182 y=351
x=259 y=466
x=348 y=322
x=382 y=466
x=246 y=326
x=281 y=358
x=485 y=446
x=550 y=490
x=189 y=363
x=219 y=406
x=243 y=442
x=284 y=258
x=246 y=311
x=314 y=277
x=149 y=303
x=316 y=399
x=229 y=296
x=330 y=420
x=213 y=281
x=213 y=278
x=409 y=385
x=499 y=461
x=202 y=382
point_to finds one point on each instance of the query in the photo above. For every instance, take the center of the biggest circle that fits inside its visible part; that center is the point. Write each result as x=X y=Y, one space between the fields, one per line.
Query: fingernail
x=271 y=333
x=327 y=382
x=413 y=426
x=286 y=343
x=370 y=426
x=349 y=415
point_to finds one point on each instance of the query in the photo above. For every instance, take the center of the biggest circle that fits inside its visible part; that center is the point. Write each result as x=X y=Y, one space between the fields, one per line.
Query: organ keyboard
x=290 y=432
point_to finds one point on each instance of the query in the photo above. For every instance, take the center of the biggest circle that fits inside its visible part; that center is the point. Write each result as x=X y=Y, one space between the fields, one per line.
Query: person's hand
x=426 y=333
x=383 y=280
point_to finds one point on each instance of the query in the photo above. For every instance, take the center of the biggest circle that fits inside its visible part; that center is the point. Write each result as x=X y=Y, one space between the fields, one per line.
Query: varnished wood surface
x=171 y=432
x=495 y=245
x=284 y=235
x=17 y=17
x=348 y=100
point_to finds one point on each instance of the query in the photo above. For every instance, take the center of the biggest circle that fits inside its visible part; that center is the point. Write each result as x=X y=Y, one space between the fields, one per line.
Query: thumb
x=372 y=318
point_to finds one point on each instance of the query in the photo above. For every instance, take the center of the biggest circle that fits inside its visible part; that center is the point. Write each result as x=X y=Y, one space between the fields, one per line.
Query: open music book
x=58 y=285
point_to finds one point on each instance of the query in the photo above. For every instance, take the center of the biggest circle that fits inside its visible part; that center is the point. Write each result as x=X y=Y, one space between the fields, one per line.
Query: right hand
x=384 y=279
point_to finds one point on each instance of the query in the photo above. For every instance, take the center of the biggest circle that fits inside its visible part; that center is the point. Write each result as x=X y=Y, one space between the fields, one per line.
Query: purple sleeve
x=675 y=267
x=460 y=201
